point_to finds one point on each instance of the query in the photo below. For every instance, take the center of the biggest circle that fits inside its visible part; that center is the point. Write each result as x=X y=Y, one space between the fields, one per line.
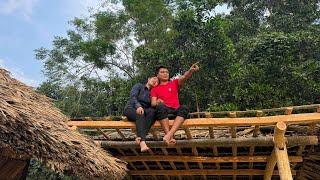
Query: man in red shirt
x=166 y=98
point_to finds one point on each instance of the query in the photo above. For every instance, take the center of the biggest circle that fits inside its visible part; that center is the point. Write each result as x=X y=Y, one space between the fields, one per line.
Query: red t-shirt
x=168 y=93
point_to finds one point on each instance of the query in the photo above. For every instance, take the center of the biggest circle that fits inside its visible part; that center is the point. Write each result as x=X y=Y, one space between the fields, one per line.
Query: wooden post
x=279 y=155
x=283 y=163
x=271 y=163
x=211 y=132
x=288 y=110
x=234 y=147
x=197 y=103
x=279 y=131
x=188 y=132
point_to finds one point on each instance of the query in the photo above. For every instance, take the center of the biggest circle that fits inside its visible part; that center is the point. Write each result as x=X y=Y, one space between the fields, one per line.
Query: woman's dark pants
x=143 y=122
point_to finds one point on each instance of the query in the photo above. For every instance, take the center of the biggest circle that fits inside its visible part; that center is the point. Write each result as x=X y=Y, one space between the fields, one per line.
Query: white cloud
x=80 y=8
x=19 y=74
x=84 y=7
x=22 y=7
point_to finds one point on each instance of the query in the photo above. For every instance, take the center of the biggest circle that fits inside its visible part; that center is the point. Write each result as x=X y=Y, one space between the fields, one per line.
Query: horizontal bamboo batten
x=225 y=142
x=202 y=159
x=304 y=118
x=202 y=172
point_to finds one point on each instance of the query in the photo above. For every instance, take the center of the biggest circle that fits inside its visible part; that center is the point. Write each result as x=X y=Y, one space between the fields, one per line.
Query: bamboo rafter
x=209 y=146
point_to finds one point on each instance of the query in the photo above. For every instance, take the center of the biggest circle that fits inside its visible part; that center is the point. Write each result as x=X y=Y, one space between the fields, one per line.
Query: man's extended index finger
x=196 y=63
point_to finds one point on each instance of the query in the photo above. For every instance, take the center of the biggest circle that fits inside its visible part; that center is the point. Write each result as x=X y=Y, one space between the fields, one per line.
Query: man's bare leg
x=165 y=125
x=176 y=124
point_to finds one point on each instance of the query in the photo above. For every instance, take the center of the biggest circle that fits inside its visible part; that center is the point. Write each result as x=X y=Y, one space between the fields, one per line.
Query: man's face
x=163 y=74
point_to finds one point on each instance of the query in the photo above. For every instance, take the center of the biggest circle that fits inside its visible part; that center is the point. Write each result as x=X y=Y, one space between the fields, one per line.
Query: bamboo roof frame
x=187 y=159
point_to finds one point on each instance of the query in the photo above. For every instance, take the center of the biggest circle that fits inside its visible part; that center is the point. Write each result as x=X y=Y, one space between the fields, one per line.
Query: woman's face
x=153 y=81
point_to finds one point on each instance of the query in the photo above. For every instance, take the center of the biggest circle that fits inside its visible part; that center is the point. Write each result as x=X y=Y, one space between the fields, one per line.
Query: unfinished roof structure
x=254 y=144
x=30 y=127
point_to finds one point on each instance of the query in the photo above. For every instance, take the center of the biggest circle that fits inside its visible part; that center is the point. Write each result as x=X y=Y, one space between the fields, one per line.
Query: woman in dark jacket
x=139 y=110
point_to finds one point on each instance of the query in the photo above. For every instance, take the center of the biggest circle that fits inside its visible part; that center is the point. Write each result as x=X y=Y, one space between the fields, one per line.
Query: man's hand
x=140 y=111
x=188 y=74
x=194 y=67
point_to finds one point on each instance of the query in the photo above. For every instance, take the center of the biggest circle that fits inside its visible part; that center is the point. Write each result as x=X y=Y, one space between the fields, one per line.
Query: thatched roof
x=30 y=127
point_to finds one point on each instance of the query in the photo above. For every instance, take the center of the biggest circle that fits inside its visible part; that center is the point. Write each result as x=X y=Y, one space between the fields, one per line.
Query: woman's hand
x=159 y=101
x=140 y=111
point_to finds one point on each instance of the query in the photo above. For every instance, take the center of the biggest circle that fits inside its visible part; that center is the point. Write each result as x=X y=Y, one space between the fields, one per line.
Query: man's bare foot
x=172 y=141
x=143 y=146
x=138 y=140
x=169 y=140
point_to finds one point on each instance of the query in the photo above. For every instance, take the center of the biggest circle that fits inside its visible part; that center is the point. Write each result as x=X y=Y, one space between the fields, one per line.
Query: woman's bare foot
x=138 y=140
x=144 y=147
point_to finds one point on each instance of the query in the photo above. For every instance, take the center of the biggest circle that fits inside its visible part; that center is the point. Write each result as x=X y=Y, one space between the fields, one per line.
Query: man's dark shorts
x=163 y=112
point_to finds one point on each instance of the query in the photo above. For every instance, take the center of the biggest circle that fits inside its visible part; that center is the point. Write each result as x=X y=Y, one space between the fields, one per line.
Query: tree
x=279 y=69
x=178 y=33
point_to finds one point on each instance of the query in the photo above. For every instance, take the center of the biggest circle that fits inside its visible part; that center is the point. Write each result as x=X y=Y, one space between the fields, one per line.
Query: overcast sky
x=26 y=25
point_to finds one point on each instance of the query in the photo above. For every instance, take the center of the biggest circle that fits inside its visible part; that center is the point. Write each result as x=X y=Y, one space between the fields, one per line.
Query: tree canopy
x=253 y=54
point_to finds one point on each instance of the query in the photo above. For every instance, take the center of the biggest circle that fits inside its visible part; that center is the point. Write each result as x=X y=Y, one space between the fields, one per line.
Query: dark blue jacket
x=139 y=96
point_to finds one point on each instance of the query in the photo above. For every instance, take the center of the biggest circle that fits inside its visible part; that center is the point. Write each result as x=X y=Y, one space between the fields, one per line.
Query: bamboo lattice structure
x=216 y=145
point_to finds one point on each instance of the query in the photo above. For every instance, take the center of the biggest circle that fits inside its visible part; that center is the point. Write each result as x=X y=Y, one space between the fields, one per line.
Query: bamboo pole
x=173 y=166
x=211 y=132
x=279 y=155
x=288 y=110
x=202 y=172
x=216 y=153
x=305 y=118
x=195 y=152
x=121 y=134
x=203 y=159
x=271 y=163
x=256 y=130
x=219 y=142
x=188 y=132
x=283 y=164
x=123 y=154
x=158 y=163
x=234 y=146
x=180 y=153
x=104 y=134
x=312 y=106
x=279 y=131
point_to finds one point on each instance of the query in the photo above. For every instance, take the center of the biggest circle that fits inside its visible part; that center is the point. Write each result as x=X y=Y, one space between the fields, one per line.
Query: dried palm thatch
x=30 y=127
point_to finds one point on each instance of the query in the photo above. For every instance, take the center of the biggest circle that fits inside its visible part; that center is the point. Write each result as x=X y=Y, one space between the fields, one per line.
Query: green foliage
x=278 y=69
x=93 y=98
x=250 y=18
x=222 y=107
